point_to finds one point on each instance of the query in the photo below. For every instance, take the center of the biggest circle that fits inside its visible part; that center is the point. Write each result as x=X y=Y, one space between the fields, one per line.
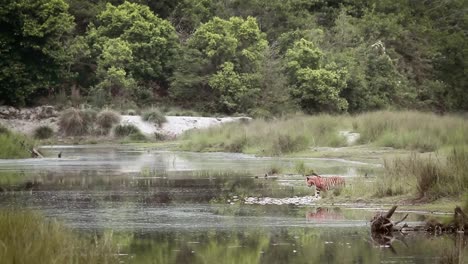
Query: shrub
x=154 y=116
x=74 y=122
x=106 y=119
x=127 y=130
x=43 y=132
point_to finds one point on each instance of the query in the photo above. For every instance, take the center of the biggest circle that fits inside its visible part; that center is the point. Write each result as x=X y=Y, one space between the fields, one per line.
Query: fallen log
x=382 y=224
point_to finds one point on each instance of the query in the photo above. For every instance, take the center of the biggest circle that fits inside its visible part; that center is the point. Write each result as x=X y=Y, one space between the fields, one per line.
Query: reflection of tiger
x=321 y=214
x=324 y=183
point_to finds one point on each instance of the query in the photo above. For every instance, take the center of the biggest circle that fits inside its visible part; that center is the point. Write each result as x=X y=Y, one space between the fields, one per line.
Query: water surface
x=183 y=207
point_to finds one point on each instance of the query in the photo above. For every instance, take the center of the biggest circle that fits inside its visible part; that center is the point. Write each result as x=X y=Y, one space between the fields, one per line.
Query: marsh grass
x=276 y=137
x=14 y=145
x=410 y=130
x=428 y=176
x=130 y=132
x=27 y=237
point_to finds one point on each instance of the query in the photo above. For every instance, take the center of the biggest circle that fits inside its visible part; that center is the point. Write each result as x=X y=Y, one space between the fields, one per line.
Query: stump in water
x=382 y=224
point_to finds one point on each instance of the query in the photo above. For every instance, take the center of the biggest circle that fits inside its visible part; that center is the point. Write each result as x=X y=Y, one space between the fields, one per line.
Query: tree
x=33 y=35
x=131 y=40
x=315 y=88
x=220 y=60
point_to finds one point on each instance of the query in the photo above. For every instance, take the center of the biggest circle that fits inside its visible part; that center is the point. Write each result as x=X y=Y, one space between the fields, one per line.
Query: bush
x=154 y=116
x=127 y=131
x=43 y=132
x=106 y=119
x=74 y=122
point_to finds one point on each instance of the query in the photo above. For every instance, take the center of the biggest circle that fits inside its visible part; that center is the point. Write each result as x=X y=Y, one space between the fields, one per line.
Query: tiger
x=324 y=183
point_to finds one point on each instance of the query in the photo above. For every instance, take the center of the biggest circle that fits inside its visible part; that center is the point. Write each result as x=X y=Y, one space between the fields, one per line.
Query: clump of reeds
x=130 y=131
x=28 y=237
x=106 y=119
x=154 y=116
x=76 y=122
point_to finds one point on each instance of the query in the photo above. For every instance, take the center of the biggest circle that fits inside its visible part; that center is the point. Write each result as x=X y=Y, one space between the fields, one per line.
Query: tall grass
x=27 y=237
x=13 y=145
x=106 y=119
x=154 y=116
x=276 y=137
x=429 y=177
x=411 y=130
x=76 y=122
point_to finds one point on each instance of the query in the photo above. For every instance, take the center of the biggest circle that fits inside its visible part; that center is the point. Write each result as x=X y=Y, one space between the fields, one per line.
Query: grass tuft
x=14 y=145
x=75 y=122
x=106 y=119
x=154 y=116
x=130 y=131
x=43 y=132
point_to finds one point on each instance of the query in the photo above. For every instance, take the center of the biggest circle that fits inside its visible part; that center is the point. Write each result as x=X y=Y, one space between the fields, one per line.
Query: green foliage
x=430 y=177
x=220 y=61
x=43 y=132
x=411 y=130
x=61 y=245
x=154 y=116
x=75 y=122
x=33 y=34
x=132 y=45
x=316 y=89
x=106 y=119
x=130 y=131
x=273 y=137
x=14 y=146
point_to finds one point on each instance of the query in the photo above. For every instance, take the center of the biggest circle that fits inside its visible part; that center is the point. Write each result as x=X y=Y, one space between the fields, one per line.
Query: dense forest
x=258 y=57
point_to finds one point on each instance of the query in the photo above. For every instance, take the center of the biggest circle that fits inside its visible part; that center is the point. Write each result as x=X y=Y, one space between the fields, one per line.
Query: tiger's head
x=312 y=180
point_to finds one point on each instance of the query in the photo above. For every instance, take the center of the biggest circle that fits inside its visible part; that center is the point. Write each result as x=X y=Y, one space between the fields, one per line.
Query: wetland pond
x=182 y=207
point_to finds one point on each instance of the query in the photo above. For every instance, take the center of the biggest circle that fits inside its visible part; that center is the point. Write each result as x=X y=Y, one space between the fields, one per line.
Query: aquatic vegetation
x=28 y=237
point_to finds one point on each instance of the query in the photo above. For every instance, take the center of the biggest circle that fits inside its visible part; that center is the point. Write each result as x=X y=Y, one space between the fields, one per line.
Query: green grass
x=154 y=116
x=14 y=145
x=406 y=130
x=27 y=237
x=411 y=130
x=275 y=137
x=429 y=177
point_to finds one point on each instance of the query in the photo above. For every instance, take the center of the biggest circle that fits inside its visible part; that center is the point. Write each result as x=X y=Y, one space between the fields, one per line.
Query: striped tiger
x=324 y=183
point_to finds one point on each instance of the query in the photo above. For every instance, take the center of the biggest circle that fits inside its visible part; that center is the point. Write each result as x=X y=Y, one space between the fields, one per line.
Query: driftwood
x=34 y=152
x=383 y=225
